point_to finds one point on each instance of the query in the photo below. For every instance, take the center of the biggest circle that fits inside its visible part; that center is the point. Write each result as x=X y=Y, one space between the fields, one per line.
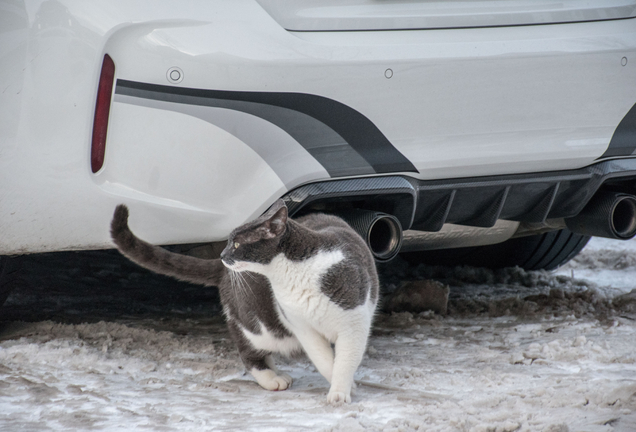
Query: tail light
x=102 y=109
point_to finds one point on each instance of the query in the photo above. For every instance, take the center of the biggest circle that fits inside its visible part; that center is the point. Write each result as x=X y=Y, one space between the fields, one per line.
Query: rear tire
x=9 y=272
x=538 y=252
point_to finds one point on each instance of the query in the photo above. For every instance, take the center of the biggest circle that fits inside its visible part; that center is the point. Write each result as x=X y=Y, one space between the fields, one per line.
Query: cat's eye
x=236 y=245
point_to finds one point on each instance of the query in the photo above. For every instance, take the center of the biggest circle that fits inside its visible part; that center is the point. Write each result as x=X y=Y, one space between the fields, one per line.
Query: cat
x=285 y=285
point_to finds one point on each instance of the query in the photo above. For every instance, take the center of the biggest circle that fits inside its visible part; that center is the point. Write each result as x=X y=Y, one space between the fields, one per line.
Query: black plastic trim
x=623 y=142
x=394 y=186
x=480 y=201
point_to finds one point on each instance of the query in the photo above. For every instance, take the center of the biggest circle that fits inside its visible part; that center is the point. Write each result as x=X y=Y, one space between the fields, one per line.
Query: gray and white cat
x=285 y=285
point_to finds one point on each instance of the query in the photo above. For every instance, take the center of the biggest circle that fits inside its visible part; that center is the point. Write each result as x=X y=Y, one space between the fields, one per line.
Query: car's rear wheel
x=9 y=271
x=538 y=252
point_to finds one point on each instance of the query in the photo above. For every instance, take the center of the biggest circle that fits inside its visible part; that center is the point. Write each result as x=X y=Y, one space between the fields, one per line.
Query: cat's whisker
x=247 y=274
x=242 y=283
x=239 y=284
x=234 y=283
x=250 y=275
x=247 y=284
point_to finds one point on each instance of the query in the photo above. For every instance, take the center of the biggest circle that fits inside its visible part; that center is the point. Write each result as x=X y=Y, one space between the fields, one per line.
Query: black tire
x=538 y=252
x=9 y=272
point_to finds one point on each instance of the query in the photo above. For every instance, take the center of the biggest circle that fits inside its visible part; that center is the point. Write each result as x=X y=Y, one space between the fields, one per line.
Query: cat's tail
x=158 y=259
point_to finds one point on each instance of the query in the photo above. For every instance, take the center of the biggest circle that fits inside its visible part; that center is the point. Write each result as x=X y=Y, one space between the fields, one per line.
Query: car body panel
x=460 y=103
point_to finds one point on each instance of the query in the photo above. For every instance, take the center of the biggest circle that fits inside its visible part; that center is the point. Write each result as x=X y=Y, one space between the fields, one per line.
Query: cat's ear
x=274 y=208
x=277 y=222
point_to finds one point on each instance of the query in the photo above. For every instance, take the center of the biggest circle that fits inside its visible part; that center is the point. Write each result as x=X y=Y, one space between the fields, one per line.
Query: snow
x=518 y=351
x=609 y=263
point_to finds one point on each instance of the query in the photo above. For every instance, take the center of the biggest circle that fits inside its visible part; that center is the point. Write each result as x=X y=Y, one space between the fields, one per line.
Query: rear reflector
x=102 y=108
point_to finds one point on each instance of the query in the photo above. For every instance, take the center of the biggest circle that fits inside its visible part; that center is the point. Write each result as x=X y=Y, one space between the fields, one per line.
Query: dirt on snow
x=91 y=342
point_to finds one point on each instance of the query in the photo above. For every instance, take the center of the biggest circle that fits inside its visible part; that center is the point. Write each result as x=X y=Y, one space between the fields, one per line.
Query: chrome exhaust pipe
x=608 y=214
x=381 y=231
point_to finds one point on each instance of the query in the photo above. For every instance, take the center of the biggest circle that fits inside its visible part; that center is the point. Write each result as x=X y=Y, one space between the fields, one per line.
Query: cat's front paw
x=338 y=397
x=270 y=380
x=287 y=380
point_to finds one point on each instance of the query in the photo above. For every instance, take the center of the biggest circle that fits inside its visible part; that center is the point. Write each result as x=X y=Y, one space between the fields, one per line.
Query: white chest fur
x=297 y=287
x=297 y=284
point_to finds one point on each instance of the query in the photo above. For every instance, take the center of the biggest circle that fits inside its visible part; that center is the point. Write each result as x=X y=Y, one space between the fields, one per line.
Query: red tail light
x=102 y=109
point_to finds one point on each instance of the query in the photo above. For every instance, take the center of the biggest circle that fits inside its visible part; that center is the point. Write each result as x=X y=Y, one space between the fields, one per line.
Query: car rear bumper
x=426 y=106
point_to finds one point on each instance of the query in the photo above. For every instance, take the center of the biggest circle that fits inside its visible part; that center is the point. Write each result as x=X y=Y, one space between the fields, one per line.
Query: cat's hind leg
x=350 y=347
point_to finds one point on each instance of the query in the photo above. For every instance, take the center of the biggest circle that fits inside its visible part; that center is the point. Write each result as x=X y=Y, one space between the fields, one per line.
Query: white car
x=465 y=123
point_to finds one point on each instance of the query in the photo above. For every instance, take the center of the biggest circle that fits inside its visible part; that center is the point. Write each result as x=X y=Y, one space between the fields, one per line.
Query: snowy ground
x=111 y=348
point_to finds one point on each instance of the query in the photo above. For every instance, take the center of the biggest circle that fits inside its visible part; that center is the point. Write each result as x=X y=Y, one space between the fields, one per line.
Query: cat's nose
x=226 y=259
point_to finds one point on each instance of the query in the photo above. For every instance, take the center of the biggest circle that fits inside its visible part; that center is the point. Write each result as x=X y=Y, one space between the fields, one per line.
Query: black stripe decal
x=342 y=139
x=328 y=148
x=623 y=142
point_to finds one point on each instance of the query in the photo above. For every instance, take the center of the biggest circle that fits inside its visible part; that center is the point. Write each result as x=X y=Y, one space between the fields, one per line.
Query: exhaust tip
x=609 y=215
x=624 y=217
x=382 y=232
x=385 y=237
